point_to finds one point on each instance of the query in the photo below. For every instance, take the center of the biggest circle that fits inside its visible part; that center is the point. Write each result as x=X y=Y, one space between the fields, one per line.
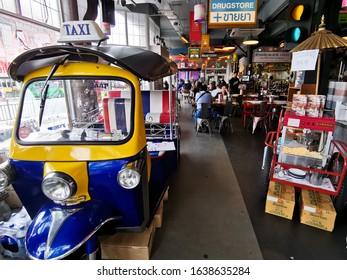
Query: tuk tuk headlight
x=128 y=178
x=58 y=186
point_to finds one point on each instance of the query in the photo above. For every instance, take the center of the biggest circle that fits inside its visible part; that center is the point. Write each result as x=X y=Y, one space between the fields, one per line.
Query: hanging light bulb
x=199 y=13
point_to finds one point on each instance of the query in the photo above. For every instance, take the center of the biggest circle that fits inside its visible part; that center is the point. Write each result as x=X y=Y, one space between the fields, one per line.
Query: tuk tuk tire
x=265 y=173
x=341 y=198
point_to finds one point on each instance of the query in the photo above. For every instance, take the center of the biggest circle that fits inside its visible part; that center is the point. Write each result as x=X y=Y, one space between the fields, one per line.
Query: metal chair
x=247 y=112
x=206 y=118
x=260 y=115
x=225 y=118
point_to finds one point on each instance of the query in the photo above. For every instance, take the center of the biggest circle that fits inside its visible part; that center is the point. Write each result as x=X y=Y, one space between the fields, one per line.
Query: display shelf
x=326 y=186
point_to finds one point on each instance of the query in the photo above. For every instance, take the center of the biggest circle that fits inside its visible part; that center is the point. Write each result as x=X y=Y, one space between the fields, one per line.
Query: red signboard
x=195 y=30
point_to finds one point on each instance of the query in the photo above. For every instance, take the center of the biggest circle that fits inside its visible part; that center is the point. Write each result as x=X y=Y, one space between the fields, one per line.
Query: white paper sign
x=304 y=60
x=160 y=146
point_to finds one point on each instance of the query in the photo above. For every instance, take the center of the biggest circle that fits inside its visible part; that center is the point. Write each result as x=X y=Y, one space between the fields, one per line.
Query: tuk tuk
x=88 y=156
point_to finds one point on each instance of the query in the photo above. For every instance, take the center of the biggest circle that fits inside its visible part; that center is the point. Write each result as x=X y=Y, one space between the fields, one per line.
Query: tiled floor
x=206 y=214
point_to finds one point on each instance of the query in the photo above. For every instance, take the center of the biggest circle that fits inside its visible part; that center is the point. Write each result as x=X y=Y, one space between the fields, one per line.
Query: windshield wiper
x=44 y=91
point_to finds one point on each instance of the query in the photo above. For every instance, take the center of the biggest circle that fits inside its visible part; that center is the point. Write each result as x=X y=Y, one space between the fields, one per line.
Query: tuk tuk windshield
x=80 y=110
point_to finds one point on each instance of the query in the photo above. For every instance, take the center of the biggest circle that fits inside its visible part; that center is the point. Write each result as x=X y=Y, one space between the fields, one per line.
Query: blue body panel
x=29 y=176
x=57 y=231
x=103 y=186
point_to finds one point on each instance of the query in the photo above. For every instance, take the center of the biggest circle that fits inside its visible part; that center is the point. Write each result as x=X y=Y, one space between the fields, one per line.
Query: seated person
x=180 y=84
x=202 y=96
x=212 y=86
x=216 y=91
x=186 y=87
x=224 y=92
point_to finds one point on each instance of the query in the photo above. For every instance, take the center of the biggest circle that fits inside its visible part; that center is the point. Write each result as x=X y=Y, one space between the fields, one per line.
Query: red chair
x=260 y=116
x=247 y=112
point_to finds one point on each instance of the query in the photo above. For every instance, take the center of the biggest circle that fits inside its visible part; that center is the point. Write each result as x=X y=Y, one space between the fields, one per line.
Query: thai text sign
x=271 y=57
x=232 y=13
x=304 y=60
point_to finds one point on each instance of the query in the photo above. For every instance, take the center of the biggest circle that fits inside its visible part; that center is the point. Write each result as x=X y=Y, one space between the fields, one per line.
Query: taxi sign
x=81 y=31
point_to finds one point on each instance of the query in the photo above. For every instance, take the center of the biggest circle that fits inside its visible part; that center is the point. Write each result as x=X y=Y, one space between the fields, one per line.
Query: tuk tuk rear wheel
x=265 y=172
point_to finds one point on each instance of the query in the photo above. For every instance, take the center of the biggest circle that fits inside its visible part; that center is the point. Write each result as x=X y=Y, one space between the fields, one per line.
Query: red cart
x=302 y=153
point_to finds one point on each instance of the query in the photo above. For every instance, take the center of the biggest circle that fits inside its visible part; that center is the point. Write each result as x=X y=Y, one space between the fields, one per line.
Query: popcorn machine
x=302 y=153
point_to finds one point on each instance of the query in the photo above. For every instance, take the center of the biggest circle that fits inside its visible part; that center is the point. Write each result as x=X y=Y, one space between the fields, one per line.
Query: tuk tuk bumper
x=57 y=231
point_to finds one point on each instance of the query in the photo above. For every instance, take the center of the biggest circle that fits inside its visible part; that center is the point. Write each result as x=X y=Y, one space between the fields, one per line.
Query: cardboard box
x=317 y=210
x=299 y=104
x=158 y=217
x=280 y=200
x=313 y=105
x=128 y=246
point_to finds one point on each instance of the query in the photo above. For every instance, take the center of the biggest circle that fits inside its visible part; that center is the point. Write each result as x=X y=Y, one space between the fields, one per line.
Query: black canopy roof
x=145 y=64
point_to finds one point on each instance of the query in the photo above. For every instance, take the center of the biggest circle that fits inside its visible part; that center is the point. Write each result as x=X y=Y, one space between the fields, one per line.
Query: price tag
x=293 y=122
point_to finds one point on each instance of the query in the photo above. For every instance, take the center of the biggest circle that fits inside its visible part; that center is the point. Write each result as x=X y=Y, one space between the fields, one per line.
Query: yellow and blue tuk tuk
x=90 y=151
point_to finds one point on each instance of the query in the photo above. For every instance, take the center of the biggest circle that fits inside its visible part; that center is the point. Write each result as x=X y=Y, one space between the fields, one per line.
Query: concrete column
x=69 y=10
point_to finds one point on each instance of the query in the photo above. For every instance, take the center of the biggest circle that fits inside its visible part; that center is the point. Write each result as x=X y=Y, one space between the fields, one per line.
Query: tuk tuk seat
x=156 y=106
x=116 y=111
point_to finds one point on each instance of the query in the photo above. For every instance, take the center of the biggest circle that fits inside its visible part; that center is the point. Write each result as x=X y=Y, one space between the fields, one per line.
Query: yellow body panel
x=86 y=152
x=77 y=170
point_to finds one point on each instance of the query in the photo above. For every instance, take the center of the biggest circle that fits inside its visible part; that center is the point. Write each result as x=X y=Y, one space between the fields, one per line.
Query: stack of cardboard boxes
x=316 y=208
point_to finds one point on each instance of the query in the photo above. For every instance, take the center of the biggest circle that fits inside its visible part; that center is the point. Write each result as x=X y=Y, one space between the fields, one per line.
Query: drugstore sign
x=232 y=13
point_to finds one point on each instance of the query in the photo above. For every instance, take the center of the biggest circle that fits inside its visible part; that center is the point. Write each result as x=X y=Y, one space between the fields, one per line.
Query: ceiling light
x=228 y=48
x=250 y=41
x=199 y=13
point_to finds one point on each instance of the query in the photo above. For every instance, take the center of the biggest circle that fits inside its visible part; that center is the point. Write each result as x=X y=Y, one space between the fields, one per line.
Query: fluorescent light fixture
x=229 y=48
x=184 y=39
x=225 y=49
x=250 y=41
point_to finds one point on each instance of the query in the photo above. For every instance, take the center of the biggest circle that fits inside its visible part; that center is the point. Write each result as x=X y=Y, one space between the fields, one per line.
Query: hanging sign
x=194 y=30
x=304 y=60
x=271 y=57
x=194 y=53
x=232 y=13
x=205 y=43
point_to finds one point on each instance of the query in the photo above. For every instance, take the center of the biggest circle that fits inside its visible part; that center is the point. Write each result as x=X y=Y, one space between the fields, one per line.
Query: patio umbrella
x=323 y=40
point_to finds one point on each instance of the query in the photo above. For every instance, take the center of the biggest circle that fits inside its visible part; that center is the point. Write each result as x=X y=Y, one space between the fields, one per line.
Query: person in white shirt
x=216 y=91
